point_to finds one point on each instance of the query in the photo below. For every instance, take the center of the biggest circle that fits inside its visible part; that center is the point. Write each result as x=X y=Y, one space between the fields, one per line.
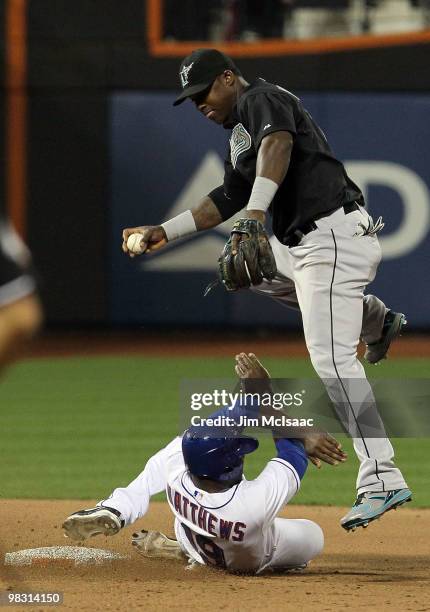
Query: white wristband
x=179 y=226
x=262 y=194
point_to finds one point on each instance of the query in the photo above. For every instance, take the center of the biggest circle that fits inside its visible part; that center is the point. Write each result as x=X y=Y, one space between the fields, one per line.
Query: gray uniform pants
x=325 y=276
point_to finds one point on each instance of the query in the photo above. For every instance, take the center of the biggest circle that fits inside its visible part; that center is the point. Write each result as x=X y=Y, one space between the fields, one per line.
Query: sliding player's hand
x=323 y=447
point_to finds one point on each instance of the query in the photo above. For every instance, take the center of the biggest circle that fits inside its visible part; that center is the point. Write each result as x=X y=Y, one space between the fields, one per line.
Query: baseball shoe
x=393 y=323
x=87 y=523
x=372 y=505
x=155 y=545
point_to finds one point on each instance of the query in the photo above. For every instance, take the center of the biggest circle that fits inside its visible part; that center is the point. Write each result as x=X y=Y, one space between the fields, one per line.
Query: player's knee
x=318 y=540
x=314 y=539
x=30 y=317
x=23 y=318
x=343 y=364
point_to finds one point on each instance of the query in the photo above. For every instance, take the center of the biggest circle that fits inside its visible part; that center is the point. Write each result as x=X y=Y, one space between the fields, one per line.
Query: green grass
x=76 y=428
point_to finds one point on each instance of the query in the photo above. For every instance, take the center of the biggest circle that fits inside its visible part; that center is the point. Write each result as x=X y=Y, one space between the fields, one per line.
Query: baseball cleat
x=155 y=545
x=372 y=505
x=393 y=323
x=293 y=568
x=95 y=521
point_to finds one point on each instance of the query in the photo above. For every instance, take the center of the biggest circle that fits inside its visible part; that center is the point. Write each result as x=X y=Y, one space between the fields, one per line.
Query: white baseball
x=133 y=244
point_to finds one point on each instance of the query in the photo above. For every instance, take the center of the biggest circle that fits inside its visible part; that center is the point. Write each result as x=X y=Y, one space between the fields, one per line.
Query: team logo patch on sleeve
x=240 y=141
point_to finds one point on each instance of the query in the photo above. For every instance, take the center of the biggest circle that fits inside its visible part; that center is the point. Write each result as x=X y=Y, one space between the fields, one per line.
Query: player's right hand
x=153 y=238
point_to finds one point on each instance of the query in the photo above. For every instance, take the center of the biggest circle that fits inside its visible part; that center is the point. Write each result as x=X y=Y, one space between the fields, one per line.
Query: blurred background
x=251 y=20
x=91 y=144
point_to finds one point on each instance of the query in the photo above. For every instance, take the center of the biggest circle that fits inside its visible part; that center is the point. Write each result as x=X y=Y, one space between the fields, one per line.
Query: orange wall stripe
x=16 y=112
x=272 y=47
x=154 y=16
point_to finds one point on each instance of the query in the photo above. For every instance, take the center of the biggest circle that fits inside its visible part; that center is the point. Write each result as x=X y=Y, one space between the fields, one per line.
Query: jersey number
x=207 y=549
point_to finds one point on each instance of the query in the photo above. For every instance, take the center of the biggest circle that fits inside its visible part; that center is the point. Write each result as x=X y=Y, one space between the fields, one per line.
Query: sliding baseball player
x=221 y=519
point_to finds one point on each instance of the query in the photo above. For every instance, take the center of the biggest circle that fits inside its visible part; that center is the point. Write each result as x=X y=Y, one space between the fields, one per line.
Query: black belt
x=293 y=239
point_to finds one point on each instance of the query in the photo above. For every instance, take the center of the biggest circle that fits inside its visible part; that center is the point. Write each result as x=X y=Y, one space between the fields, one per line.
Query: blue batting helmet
x=216 y=458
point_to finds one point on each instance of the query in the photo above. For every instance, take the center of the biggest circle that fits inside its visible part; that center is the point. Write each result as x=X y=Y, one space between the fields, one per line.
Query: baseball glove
x=254 y=260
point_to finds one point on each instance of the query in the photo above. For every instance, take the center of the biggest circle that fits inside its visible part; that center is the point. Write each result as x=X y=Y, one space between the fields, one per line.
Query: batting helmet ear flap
x=219 y=459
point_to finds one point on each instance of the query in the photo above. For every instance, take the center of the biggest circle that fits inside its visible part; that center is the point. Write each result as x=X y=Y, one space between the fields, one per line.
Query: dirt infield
x=382 y=567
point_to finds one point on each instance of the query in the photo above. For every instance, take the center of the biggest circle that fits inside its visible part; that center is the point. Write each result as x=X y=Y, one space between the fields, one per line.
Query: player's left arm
x=273 y=160
x=248 y=258
x=271 y=122
x=280 y=480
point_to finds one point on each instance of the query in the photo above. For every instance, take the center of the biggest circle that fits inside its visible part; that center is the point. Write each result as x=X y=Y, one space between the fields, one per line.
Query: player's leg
x=20 y=311
x=295 y=543
x=331 y=270
x=281 y=288
x=374 y=311
x=380 y=326
x=19 y=321
x=125 y=505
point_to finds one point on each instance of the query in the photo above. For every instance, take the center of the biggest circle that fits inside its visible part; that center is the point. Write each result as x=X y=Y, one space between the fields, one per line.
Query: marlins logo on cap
x=184 y=74
x=200 y=69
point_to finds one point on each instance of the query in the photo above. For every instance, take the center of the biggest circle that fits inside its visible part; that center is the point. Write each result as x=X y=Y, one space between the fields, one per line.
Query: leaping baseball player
x=324 y=252
x=221 y=519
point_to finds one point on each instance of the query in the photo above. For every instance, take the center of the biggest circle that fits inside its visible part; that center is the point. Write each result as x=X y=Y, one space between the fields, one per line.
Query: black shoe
x=87 y=523
x=393 y=323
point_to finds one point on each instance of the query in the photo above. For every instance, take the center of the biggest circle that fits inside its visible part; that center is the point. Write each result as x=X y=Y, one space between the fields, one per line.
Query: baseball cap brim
x=191 y=91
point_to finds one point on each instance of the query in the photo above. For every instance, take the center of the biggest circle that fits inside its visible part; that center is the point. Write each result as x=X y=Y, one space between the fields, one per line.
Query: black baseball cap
x=200 y=69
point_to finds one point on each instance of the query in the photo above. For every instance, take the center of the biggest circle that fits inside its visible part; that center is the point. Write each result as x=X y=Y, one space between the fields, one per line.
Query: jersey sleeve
x=233 y=195
x=268 y=112
x=172 y=455
x=279 y=482
x=133 y=501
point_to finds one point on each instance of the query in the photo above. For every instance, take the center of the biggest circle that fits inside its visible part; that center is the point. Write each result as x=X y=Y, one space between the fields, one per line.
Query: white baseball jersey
x=235 y=528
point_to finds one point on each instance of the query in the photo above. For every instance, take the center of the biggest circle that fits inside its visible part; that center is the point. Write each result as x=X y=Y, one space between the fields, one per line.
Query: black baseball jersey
x=316 y=182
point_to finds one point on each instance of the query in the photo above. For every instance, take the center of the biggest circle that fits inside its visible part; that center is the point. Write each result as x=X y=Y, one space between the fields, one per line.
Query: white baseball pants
x=325 y=276
x=295 y=542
